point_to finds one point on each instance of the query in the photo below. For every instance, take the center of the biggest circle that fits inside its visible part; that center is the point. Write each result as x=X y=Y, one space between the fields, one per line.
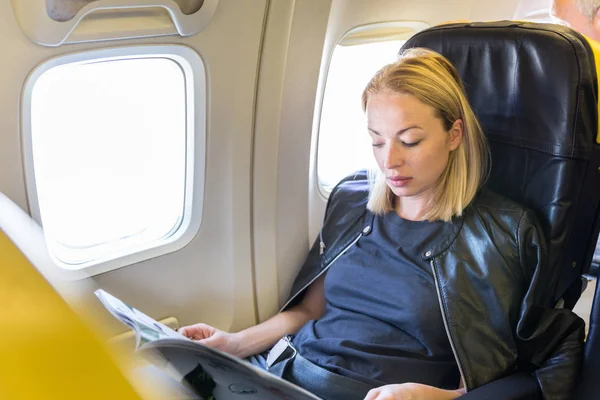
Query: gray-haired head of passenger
x=581 y=15
x=588 y=8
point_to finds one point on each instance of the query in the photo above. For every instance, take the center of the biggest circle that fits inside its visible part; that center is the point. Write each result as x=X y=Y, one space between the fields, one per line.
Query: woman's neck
x=412 y=208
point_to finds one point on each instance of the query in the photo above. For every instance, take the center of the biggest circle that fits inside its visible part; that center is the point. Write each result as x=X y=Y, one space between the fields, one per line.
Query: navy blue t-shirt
x=382 y=323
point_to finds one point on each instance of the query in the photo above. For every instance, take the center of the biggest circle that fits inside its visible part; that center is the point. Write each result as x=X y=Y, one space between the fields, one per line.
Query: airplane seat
x=534 y=88
x=48 y=351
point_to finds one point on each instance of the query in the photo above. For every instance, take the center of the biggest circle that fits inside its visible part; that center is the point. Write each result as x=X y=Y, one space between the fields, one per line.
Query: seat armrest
x=521 y=386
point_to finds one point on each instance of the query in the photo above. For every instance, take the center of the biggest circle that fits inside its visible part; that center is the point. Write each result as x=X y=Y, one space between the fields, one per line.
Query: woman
x=421 y=285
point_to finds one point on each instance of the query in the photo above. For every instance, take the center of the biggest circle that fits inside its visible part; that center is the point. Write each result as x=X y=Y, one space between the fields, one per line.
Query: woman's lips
x=399 y=181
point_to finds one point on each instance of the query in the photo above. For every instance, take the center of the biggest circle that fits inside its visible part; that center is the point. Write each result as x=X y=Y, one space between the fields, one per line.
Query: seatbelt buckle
x=282 y=350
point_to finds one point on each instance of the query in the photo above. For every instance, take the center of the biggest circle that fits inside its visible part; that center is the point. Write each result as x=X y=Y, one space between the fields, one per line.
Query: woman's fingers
x=372 y=395
x=197 y=331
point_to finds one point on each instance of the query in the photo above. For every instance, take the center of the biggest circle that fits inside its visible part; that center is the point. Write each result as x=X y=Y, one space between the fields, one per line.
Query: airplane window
x=343 y=145
x=108 y=141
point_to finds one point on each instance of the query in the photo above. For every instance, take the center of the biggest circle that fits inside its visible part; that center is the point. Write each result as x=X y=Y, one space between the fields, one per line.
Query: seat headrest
x=534 y=89
x=524 y=81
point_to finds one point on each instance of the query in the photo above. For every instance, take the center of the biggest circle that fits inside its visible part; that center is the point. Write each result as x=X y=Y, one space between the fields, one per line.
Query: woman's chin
x=402 y=191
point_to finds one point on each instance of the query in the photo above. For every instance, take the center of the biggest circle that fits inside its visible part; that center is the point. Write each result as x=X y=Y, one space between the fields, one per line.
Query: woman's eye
x=377 y=144
x=413 y=144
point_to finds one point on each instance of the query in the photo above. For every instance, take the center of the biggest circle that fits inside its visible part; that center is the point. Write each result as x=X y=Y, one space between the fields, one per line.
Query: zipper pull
x=321 y=243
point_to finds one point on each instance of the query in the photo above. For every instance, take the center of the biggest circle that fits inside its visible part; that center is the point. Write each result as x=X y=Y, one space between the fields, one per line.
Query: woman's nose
x=394 y=156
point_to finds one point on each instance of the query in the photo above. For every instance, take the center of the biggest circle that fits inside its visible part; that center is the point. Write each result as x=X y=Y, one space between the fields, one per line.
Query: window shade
x=64 y=10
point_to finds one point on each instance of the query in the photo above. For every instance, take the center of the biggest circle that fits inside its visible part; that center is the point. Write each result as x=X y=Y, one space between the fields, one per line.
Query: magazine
x=212 y=374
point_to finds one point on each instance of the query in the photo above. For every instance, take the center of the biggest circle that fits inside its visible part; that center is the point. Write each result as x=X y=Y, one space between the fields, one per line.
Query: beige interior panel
x=64 y=10
x=55 y=22
x=210 y=279
x=286 y=93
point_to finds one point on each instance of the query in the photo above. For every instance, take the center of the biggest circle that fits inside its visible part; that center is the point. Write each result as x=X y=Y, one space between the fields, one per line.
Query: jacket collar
x=447 y=237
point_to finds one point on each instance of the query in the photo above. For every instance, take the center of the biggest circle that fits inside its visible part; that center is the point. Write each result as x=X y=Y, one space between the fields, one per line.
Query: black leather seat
x=534 y=89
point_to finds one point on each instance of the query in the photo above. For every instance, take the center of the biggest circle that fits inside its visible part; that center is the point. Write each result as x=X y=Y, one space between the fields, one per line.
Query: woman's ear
x=456 y=134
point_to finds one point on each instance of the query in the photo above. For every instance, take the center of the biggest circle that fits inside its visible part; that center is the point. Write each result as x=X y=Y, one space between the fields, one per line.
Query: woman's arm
x=263 y=336
x=412 y=391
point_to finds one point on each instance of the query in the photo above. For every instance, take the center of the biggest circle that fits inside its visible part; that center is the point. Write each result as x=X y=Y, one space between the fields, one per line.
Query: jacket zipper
x=321 y=243
x=324 y=269
x=443 y=310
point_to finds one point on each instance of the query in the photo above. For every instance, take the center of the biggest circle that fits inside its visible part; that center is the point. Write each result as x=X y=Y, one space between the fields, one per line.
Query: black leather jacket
x=493 y=283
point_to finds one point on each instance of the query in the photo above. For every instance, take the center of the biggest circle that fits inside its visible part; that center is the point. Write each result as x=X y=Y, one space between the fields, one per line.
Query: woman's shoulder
x=353 y=190
x=347 y=201
x=357 y=182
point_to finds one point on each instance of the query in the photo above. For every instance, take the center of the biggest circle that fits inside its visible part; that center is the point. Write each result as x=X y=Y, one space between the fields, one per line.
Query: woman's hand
x=412 y=391
x=213 y=337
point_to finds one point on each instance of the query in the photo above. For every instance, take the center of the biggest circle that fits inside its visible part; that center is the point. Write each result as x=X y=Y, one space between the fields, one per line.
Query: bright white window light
x=108 y=143
x=344 y=144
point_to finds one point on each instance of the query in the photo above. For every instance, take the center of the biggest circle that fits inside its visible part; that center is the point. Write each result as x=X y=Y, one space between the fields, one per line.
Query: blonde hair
x=432 y=79
x=589 y=8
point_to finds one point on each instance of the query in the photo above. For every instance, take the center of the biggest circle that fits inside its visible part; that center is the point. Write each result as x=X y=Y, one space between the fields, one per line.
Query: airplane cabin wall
x=266 y=66
x=211 y=278
x=290 y=64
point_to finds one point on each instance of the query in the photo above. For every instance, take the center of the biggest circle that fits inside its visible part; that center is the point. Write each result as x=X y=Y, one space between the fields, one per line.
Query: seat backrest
x=48 y=351
x=534 y=89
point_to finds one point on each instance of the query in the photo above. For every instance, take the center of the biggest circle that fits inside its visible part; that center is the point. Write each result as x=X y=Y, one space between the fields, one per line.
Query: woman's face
x=410 y=143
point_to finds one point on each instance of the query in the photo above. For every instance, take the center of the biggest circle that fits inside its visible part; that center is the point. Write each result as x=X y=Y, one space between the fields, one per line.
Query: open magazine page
x=146 y=329
x=211 y=373
x=219 y=376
